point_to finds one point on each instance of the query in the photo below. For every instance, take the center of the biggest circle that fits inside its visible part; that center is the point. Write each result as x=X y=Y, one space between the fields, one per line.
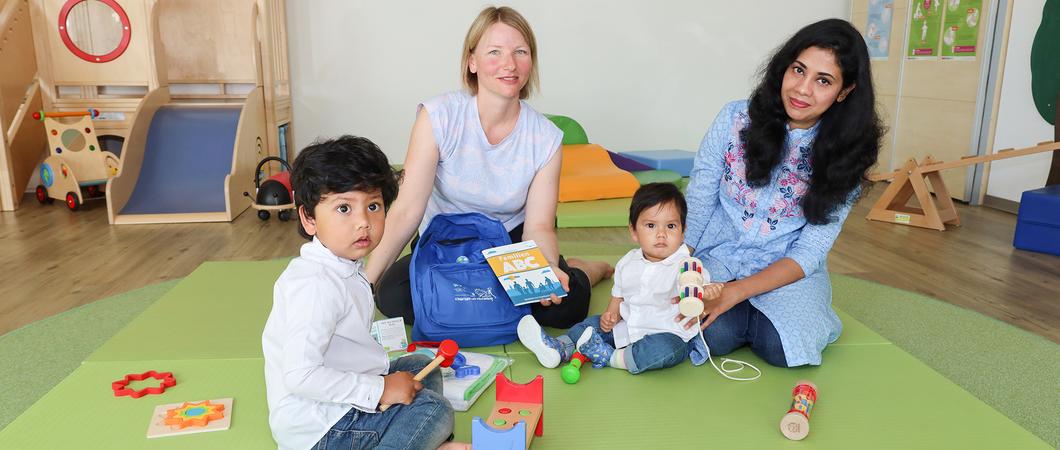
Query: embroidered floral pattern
x=792 y=181
x=735 y=175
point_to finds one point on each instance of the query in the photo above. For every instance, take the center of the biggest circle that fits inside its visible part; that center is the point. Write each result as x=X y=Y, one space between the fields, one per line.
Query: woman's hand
x=712 y=291
x=564 y=281
x=540 y=224
x=782 y=272
x=717 y=298
x=729 y=296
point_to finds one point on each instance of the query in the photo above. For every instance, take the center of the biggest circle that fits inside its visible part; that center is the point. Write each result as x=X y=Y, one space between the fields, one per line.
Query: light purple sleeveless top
x=474 y=176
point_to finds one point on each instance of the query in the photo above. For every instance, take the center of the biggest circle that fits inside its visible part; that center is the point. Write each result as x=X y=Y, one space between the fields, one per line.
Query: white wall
x=1018 y=123
x=635 y=74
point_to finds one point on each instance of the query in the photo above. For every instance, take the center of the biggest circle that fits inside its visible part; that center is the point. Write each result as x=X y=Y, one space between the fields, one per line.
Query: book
x=462 y=392
x=524 y=272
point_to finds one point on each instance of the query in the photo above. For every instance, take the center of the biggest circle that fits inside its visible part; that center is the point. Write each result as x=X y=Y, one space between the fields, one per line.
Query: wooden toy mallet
x=572 y=372
x=447 y=351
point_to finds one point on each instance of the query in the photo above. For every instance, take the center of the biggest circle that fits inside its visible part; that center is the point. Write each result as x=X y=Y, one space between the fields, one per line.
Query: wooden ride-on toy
x=447 y=351
x=75 y=159
x=518 y=415
x=273 y=194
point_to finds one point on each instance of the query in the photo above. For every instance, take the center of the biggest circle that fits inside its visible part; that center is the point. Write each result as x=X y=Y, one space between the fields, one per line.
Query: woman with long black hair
x=773 y=182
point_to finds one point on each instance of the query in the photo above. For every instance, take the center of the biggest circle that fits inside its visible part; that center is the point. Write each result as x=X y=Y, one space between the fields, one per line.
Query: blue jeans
x=745 y=325
x=654 y=351
x=424 y=424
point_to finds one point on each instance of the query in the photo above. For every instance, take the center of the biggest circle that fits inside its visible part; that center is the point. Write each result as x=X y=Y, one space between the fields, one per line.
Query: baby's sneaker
x=549 y=350
x=592 y=345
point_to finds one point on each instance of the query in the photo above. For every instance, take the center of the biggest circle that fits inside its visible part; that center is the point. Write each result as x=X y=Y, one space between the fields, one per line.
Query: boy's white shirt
x=646 y=289
x=320 y=358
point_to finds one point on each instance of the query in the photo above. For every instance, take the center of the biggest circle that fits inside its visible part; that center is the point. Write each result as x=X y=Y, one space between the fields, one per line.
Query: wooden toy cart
x=77 y=167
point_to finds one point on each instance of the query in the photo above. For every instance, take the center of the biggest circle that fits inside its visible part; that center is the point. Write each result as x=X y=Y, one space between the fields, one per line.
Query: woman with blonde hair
x=484 y=149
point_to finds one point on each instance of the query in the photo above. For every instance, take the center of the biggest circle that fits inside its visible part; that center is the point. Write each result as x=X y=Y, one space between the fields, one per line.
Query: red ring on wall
x=126 y=34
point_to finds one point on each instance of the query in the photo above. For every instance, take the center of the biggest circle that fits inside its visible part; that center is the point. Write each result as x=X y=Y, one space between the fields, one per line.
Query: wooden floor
x=55 y=260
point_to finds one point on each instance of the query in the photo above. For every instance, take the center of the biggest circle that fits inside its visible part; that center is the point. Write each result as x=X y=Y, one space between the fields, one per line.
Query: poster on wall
x=878 y=30
x=924 y=26
x=960 y=29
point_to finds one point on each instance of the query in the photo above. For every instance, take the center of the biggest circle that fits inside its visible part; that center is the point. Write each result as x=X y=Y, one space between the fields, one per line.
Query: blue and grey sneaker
x=592 y=345
x=550 y=351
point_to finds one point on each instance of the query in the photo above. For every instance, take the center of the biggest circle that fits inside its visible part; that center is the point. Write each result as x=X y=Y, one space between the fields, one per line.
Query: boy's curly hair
x=344 y=164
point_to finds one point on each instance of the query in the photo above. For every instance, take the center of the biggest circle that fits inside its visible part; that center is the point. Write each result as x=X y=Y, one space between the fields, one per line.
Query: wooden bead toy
x=796 y=423
x=691 y=281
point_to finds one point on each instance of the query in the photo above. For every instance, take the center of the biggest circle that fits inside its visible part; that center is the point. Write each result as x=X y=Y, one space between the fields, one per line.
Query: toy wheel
x=92 y=191
x=42 y=195
x=72 y=202
x=263 y=215
x=284 y=215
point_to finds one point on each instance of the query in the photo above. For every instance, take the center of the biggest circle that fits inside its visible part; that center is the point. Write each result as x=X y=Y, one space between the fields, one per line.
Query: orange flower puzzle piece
x=191 y=414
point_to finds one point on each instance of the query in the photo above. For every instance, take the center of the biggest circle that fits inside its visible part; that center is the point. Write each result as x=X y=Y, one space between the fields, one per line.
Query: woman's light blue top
x=738 y=230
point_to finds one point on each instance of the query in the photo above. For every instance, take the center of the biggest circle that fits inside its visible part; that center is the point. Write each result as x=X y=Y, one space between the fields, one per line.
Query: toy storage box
x=1038 y=223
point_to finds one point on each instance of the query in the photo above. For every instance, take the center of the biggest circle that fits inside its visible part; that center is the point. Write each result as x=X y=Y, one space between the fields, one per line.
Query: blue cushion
x=1038 y=223
x=679 y=161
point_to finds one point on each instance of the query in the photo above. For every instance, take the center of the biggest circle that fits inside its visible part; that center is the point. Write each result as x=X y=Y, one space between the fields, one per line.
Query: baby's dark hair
x=652 y=194
x=344 y=164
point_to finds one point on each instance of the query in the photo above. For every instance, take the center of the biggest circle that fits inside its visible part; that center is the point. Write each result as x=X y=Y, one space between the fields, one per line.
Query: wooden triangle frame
x=938 y=210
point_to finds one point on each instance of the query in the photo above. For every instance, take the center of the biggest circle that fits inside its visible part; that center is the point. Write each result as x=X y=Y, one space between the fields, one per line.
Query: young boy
x=325 y=377
x=645 y=284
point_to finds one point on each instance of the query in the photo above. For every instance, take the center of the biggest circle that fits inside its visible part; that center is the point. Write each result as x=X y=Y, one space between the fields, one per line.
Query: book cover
x=524 y=272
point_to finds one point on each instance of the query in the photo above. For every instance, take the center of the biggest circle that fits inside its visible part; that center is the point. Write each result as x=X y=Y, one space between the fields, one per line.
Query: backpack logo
x=463 y=293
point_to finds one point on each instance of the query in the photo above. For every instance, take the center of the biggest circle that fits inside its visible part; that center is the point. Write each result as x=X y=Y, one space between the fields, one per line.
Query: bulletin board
x=932 y=84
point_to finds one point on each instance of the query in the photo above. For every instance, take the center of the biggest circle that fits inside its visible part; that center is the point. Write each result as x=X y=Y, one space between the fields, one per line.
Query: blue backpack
x=455 y=294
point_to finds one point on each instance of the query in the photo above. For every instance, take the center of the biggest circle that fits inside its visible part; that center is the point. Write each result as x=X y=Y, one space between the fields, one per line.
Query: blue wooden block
x=679 y=161
x=485 y=437
x=1038 y=223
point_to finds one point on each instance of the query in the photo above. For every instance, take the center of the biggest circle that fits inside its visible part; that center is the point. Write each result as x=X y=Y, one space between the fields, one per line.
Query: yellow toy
x=76 y=167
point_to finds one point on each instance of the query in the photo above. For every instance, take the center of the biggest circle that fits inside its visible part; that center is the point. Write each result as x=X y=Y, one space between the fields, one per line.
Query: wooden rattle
x=690 y=287
x=796 y=423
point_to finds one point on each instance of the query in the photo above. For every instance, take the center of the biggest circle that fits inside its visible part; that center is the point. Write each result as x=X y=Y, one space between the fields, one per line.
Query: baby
x=642 y=297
